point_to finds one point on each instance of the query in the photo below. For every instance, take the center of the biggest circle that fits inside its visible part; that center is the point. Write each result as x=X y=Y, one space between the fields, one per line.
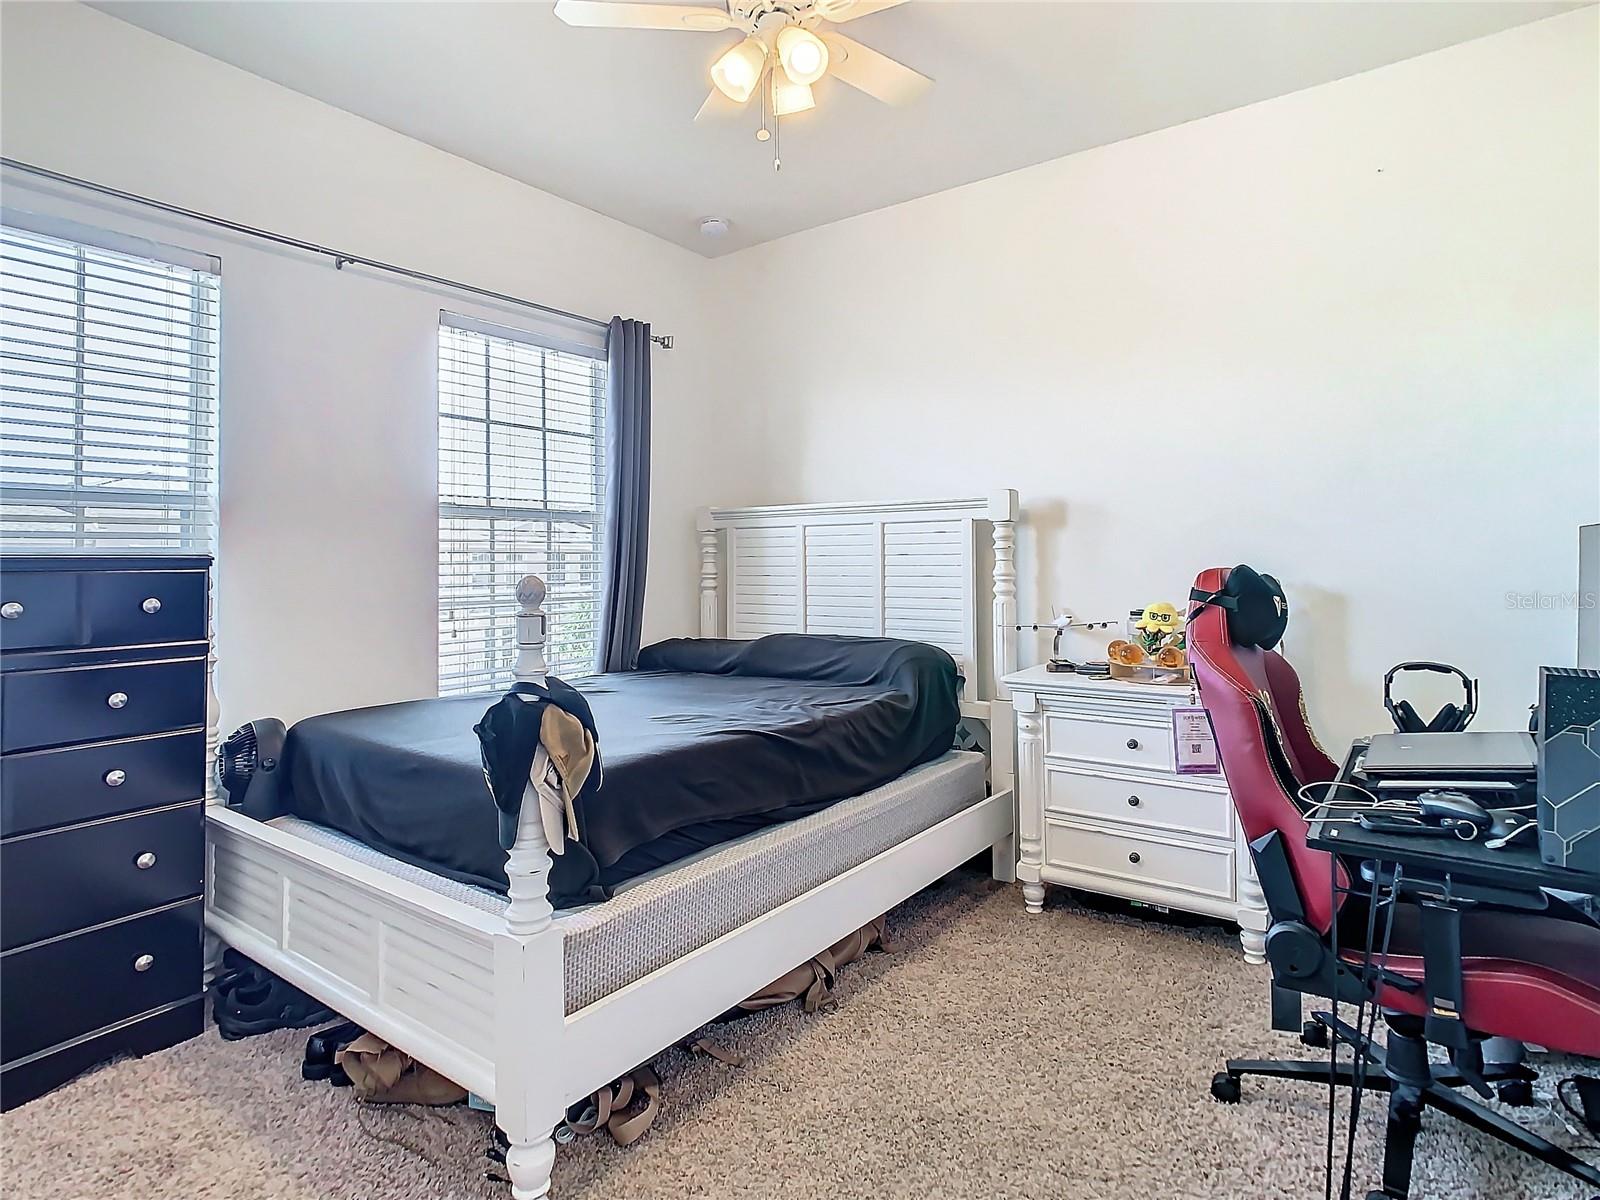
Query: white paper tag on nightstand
x=1193 y=745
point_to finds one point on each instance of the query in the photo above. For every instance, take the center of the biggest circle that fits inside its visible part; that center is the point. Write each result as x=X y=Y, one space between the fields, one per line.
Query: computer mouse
x=1454 y=808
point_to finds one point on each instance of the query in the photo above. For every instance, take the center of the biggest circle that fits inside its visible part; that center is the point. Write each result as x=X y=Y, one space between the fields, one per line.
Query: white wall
x=1348 y=336
x=327 y=588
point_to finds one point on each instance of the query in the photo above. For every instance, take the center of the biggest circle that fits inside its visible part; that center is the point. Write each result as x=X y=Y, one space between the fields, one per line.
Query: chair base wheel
x=1225 y=1087
x=1314 y=1034
x=1516 y=1092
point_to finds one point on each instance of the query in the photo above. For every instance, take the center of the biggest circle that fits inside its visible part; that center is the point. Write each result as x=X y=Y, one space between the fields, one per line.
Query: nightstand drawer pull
x=1133 y=857
x=144 y=962
x=1133 y=743
x=116 y=777
x=1133 y=802
x=146 y=860
x=151 y=606
x=117 y=700
x=11 y=610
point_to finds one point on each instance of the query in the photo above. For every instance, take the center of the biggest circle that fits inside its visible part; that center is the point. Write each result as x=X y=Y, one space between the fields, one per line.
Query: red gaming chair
x=1530 y=976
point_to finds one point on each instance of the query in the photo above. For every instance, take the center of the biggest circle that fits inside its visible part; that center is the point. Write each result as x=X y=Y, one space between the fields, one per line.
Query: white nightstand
x=1102 y=808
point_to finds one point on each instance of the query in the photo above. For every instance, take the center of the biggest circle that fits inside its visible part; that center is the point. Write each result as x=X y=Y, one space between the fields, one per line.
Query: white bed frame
x=480 y=997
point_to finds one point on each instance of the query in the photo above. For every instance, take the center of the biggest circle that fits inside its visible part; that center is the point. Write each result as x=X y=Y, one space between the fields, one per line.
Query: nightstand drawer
x=1116 y=743
x=1201 y=869
x=54 y=883
x=93 y=704
x=41 y=789
x=1139 y=802
x=67 y=988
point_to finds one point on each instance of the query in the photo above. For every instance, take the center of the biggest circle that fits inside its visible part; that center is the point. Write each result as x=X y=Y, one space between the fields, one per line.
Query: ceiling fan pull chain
x=765 y=87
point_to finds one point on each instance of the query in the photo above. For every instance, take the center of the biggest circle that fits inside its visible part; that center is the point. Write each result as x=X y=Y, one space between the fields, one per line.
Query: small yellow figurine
x=1158 y=635
x=1160 y=619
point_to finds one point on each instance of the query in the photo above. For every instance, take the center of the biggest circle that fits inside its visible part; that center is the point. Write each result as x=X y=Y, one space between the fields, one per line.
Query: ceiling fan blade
x=878 y=75
x=608 y=14
x=840 y=11
x=718 y=106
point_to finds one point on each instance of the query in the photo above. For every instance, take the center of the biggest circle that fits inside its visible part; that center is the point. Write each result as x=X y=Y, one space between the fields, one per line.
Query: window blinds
x=108 y=398
x=521 y=478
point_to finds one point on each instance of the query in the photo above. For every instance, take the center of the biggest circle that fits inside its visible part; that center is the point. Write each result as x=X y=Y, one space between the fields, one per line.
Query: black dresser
x=102 y=811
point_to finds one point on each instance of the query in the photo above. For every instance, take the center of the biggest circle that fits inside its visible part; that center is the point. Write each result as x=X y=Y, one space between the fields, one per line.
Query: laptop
x=1450 y=756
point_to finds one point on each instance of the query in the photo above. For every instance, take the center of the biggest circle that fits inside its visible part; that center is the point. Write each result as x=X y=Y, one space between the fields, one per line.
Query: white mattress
x=658 y=918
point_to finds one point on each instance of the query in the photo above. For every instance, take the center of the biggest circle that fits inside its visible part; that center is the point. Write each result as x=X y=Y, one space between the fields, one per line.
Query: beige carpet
x=992 y=1055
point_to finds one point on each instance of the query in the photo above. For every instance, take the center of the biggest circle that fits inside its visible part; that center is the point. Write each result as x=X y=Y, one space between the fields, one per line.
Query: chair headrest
x=1256 y=609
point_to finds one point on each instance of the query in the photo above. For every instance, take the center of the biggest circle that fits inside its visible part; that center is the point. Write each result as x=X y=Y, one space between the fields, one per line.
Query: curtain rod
x=341 y=258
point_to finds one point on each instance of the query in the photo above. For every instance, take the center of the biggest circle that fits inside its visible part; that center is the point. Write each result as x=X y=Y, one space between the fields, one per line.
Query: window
x=108 y=394
x=521 y=478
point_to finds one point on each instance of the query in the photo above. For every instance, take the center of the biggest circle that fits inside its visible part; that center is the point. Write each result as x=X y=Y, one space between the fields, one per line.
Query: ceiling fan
x=785 y=50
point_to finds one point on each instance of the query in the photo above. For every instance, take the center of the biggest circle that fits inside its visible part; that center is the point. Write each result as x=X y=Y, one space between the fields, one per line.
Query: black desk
x=1516 y=867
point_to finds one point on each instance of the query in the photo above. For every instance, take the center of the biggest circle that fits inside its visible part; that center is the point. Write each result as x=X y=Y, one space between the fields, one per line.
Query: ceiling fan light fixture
x=789 y=98
x=803 y=54
x=737 y=73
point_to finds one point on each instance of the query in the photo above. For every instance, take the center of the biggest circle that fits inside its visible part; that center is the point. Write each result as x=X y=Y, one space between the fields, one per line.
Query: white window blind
x=521 y=478
x=108 y=397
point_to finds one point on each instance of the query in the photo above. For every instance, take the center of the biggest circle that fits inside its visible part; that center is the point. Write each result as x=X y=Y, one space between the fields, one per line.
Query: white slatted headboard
x=905 y=569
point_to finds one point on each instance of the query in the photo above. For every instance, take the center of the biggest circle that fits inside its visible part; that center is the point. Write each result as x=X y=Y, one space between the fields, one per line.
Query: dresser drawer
x=67 y=988
x=40 y=610
x=24 y=1081
x=48 y=610
x=1116 y=743
x=54 y=883
x=96 y=704
x=1149 y=862
x=1139 y=802
x=137 y=608
x=41 y=789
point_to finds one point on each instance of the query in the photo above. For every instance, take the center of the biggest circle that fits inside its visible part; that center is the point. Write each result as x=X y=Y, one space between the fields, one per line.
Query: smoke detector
x=714 y=227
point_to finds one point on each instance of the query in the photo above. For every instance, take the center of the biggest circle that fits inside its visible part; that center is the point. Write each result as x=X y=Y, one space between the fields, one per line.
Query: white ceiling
x=604 y=117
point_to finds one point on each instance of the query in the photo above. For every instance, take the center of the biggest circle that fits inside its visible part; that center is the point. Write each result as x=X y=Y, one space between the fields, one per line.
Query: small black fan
x=248 y=769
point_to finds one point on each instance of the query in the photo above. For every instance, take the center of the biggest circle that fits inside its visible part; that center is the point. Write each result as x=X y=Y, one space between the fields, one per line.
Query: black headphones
x=1449 y=719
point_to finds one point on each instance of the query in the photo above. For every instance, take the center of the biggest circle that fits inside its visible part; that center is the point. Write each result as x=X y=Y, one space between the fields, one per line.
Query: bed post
x=710 y=575
x=1003 y=523
x=530 y=1005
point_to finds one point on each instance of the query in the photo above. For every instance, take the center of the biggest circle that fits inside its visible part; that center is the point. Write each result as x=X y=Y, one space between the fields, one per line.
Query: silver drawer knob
x=116 y=699
x=1133 y=743
x=11 y=610
x=116 y=778
x=151 y=606
x=144 y=962
x=145 y=861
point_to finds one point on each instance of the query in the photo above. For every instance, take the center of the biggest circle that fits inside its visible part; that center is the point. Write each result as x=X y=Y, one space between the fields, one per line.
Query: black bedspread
x=707 y=741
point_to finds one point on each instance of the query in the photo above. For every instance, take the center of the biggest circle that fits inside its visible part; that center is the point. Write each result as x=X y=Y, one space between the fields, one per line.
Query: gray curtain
x=627 y=530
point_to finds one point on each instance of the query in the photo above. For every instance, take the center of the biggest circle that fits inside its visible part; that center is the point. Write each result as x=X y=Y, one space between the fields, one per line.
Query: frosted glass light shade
x=803 y=54
x=738 y=72
x=789 y=98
